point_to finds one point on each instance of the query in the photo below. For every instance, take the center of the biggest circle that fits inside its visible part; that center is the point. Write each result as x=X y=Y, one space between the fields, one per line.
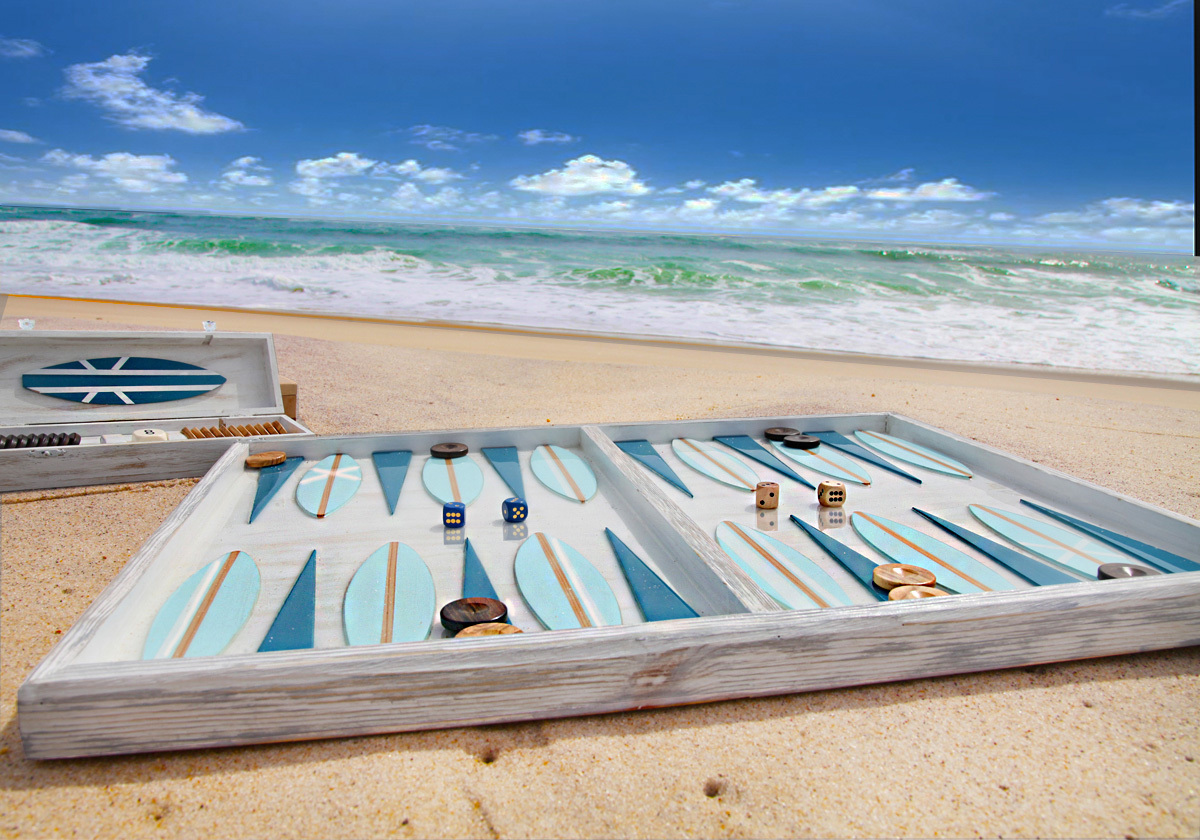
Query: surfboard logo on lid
x=122 y=380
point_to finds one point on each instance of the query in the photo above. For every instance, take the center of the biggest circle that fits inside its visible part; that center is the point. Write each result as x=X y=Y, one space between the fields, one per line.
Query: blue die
x=454 y=514
x=514 y=509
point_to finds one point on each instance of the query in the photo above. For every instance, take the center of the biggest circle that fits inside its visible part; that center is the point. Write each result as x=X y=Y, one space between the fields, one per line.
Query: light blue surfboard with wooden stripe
x=328 y=484
x=912 y=453
x=453 y=479
x=1069 y=549
x=207 y=610
x=826 y=460
x=391 y=467
x=785 y=574
x=859 y=565
x=390 y=598
x=1033 y=570
x=564 y=590
x=122 y=380
x=955 y=571
x=564 y=472
x=853 y=447
x=754 y=450
x=508 y=465
x=717 y=464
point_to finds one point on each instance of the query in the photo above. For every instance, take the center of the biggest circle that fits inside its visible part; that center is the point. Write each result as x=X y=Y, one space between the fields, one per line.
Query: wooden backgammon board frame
x=92 y=695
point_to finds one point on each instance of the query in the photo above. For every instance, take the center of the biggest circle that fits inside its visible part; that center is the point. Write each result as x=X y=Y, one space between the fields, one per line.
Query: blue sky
x=1015 y=122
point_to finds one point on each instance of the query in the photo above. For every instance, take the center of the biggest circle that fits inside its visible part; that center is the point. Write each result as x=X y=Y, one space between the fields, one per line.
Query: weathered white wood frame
x=250 y=395
x=68 y=707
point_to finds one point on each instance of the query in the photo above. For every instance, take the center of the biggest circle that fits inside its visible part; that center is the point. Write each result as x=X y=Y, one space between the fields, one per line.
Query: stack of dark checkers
x=32 y=441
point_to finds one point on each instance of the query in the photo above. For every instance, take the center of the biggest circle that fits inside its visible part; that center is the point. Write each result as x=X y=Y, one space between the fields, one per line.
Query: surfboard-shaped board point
x=453 y=479
x=828 y=461
x=659 y=602
x=506 y=462
x=915 y=454
x=564 y=472
x=785 y=574
x=391 y=598
x=270 y=479
x=1034 y=571
x=328 y=484
x=392 y=467
x=562 y=587
x=1068 y=549
x=850 y=447
x=203 y=615
x=294 y=624
x=861 y=567
x=122 y=380
x=751 y=448
x=645 y=453
x=476 y=583
x=715 y=463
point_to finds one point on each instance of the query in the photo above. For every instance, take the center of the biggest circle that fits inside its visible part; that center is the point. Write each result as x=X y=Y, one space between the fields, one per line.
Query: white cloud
x=21 y=48
x=446 y=139
x=239 y=173
x=129 y=172
x=413 y=169
x=747 y=190
x=113 y=85
x=311 y=188
x=586 y=175
x=948 y=189
x=1136 y=208
x=339 y=166
x=1126 y=11
x=247 y=162
x=1001 y=217
x=693 y=185
x=537 y=136
x=16 y=137
x=409 y=197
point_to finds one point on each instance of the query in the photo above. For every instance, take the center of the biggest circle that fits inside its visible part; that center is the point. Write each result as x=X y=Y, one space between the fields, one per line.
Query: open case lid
x=245 y=360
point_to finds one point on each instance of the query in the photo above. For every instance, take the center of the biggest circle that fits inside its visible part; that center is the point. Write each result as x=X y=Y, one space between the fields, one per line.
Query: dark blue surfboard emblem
x=122 y=380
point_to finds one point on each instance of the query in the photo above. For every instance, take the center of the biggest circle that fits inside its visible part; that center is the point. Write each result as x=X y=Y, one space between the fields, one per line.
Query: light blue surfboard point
x=294 y=624
x=508 y=465
x=270 y=479
x=858 y=565
x=645 y=453
x=328 y=484
x=476 y=583
x=715 y=463
x=850 y=447
x=453 y=479
x=390 y=599
x=955 y=571
x=1068 y=549
x=207 y=610
x=392 y=467
x=564 y=472
x=1035 y=571
x=751 y=448
x=562 y=588
x=915 y=454
x=826 y=460
x=781 y=571
x=1154 y=556
x=658 y=601
x=122 y=380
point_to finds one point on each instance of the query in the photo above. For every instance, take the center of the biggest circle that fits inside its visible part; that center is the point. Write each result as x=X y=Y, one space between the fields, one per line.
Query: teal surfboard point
x=508 y=465
x=564 y=472
x=207 y=610
x=476 y=583
x=658 y=601
x=391 y=467
x=645 y=453
x=270 y=479
x=1068 y=549
x=328 y=484
x=1035 y=571
x=826 y=460
x=861 y=567
x=915 y=454
x=562 y=587
x=453 y=479
x=294 y=624
x=785 y=574
x=751 y=448
x=840 y=441
x=390 y=599
x=715 y=463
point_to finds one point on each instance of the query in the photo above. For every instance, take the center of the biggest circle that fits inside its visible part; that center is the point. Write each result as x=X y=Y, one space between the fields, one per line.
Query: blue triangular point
x=648 y=456
x=751 y=448
x=475 y=580
x=1157 y=557
x=858 y=565
x=392 y=467
x=504 y=459
x=1034 y=571
x=292 y=628
x=657 y=600
x=839 y=441
x=270 y=479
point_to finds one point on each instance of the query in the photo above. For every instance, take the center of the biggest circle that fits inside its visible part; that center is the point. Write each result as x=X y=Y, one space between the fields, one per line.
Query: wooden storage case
x=92 y=696
x=250 y=394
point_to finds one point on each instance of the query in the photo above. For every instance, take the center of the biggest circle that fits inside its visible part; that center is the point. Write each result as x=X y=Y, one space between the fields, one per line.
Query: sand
x=1105 y=747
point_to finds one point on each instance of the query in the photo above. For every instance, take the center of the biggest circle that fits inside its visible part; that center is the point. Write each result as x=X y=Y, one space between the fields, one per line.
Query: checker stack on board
x=377 y=610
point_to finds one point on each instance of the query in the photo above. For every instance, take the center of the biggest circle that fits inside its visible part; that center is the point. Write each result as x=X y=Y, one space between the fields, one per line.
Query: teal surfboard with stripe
x=785 y=574
x=328 y=484
x=202 y=616
x=1069 y=549
x=453 y=479
x=716 y=463
x=826 y=460
x=562 y=587
x=390 y=598
x=122 y=380
x=564 y=472
x=912 y=453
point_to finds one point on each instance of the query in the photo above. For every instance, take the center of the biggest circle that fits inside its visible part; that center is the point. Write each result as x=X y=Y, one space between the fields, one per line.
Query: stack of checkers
x=246 y=430
x=48 y=439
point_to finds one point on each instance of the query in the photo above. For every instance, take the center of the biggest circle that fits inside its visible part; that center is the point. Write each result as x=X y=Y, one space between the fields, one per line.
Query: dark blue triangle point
x=858 y=565
x=1157 y=557
x=476 y=583
x=649 y=458
x=751 y=448
x=1034 y=571
x=292 y=628
x=657 y=600
x=270 y=479
x=392 y=467
x=839 y=441
x=504 y=459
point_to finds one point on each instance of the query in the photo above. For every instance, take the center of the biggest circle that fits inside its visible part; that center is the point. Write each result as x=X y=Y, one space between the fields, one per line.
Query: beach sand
x=1106 y=747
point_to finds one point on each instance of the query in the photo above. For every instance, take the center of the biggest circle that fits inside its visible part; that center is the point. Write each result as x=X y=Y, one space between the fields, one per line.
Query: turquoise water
x=1093 y=310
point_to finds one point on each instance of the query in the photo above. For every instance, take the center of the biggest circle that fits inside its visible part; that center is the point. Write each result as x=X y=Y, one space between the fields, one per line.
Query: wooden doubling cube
x=454 y=514
x=514 y=509
x=831 y=493
x=766 y=495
